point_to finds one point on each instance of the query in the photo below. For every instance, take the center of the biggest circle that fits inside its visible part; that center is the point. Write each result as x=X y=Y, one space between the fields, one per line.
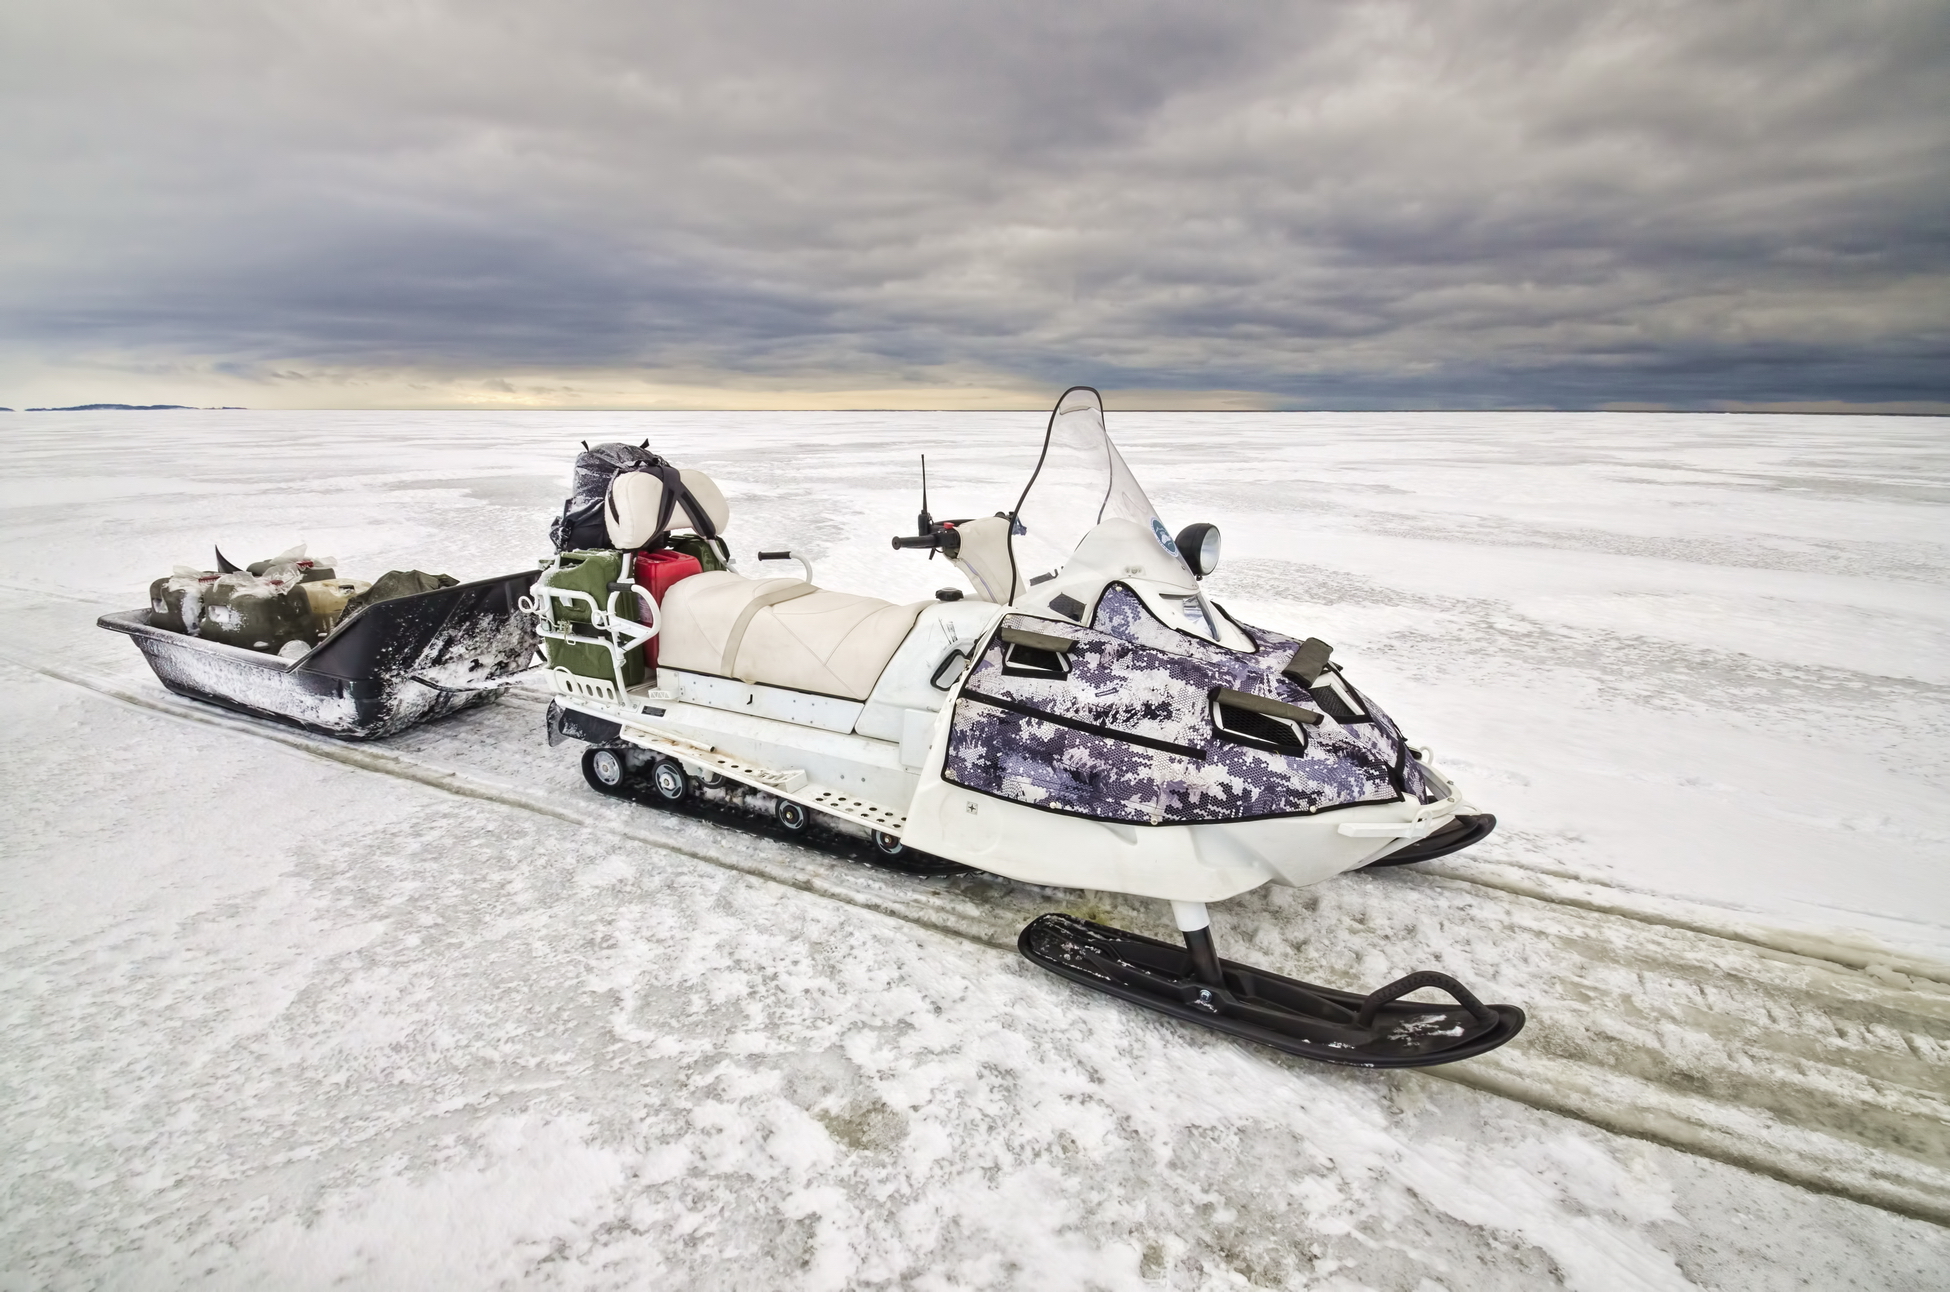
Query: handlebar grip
x=919 y=540
x=775 y=556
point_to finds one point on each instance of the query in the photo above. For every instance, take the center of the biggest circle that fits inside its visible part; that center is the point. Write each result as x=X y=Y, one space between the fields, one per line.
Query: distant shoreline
x=130 y=408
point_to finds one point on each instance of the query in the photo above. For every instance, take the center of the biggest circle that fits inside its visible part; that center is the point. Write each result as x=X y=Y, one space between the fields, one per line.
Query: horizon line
x=1866 y=411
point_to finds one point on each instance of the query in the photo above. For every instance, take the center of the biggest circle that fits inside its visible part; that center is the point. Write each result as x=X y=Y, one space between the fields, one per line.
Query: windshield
x=1079 y=482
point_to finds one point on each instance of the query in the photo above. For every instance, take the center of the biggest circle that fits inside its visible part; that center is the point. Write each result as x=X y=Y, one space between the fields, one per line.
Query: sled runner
x=1083 y=716
x=387 y=667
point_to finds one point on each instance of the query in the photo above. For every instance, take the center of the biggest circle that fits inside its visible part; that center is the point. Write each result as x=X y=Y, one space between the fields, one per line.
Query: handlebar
x=943 y=539
x=788 y=555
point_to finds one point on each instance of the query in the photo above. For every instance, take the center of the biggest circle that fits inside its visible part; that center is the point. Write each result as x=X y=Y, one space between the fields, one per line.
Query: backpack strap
x=700 y=519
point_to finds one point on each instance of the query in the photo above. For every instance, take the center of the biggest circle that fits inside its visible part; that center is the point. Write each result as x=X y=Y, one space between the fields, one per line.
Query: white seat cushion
x=832 y=643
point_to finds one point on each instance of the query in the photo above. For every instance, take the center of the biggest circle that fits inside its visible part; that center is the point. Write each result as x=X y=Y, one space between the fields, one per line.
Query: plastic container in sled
x=167 y=597
x=256 y=620
x=328 y=598
x=394 y=664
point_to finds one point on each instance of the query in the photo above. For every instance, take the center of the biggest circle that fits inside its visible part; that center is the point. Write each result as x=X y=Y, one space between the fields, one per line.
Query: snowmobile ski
x=1377 y=1030
x=1462 y=830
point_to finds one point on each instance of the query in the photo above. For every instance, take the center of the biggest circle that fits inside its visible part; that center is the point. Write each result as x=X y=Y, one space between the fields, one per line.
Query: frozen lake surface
x=278 y=1012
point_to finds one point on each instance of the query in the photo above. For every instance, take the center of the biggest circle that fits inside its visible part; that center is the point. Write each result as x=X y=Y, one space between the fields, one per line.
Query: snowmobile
x=1083 y=716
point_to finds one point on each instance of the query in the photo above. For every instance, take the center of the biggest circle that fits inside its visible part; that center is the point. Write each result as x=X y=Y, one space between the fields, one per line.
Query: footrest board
x=785 y=782
x=835 y=803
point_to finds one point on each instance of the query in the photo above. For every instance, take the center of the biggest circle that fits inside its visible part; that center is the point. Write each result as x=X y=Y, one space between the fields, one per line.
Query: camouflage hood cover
x=1128 y=734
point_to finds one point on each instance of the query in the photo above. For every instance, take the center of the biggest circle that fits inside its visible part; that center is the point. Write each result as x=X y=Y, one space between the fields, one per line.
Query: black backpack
x=582 y=526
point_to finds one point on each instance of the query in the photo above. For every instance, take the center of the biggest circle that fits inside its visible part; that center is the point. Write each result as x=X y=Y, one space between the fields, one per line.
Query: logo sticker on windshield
x=1164 y=536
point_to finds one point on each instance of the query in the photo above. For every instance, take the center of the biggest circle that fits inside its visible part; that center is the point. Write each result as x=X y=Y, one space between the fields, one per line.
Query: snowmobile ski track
x=1726 y=1063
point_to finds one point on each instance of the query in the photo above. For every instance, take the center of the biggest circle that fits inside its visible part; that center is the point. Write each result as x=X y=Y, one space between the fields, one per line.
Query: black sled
x=391 y=666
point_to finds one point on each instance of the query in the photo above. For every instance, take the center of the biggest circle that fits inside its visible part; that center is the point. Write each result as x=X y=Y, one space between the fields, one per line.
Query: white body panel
x=908 y=683
x=872 y=751
x=1207 y=862
x=763 y=733
x=878 y=764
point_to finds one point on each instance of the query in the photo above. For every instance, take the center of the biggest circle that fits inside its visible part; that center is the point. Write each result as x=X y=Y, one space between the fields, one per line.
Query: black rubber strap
x=1414 y=982
x=676 y=494
x=1078 y=724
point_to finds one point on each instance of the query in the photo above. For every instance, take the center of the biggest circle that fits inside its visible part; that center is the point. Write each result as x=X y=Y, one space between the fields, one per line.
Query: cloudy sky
x=1475 y=203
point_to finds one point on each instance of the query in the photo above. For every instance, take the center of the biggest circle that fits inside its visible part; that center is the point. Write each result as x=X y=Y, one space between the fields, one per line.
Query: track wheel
x=606 y=771
x=668 y=779
x=793 y=816
x=888 y=845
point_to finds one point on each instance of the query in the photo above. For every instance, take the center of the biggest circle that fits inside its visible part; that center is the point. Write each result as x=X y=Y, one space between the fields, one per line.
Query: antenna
x=936 y=538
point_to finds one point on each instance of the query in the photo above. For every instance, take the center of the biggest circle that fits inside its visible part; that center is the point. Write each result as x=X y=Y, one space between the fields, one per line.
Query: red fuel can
x=656 y=571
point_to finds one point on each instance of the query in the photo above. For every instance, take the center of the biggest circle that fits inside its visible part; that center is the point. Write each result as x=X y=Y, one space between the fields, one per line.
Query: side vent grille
x=1034 y=661
x=1262 y=729
x=1335 y=705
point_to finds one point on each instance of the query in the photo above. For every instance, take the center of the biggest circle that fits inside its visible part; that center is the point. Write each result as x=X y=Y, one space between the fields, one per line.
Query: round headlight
x=1199 y=545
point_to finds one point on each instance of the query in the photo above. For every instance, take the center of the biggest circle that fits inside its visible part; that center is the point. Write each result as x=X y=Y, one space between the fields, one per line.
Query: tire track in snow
x=1652 y=908
x=1767 y=1058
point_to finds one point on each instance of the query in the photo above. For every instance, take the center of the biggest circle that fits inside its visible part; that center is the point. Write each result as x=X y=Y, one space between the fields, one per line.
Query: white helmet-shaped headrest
x=708 y=496
x=636 y=504
x=636 y=499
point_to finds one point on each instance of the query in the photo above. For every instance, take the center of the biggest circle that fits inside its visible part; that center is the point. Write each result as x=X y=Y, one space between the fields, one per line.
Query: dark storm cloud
x=1347 y=204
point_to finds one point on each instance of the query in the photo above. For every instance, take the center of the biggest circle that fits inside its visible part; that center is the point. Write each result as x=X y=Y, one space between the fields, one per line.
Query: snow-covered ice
x=431 y=1014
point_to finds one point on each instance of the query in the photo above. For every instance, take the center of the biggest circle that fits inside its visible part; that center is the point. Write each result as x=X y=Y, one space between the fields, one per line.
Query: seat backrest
x=636 y=506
